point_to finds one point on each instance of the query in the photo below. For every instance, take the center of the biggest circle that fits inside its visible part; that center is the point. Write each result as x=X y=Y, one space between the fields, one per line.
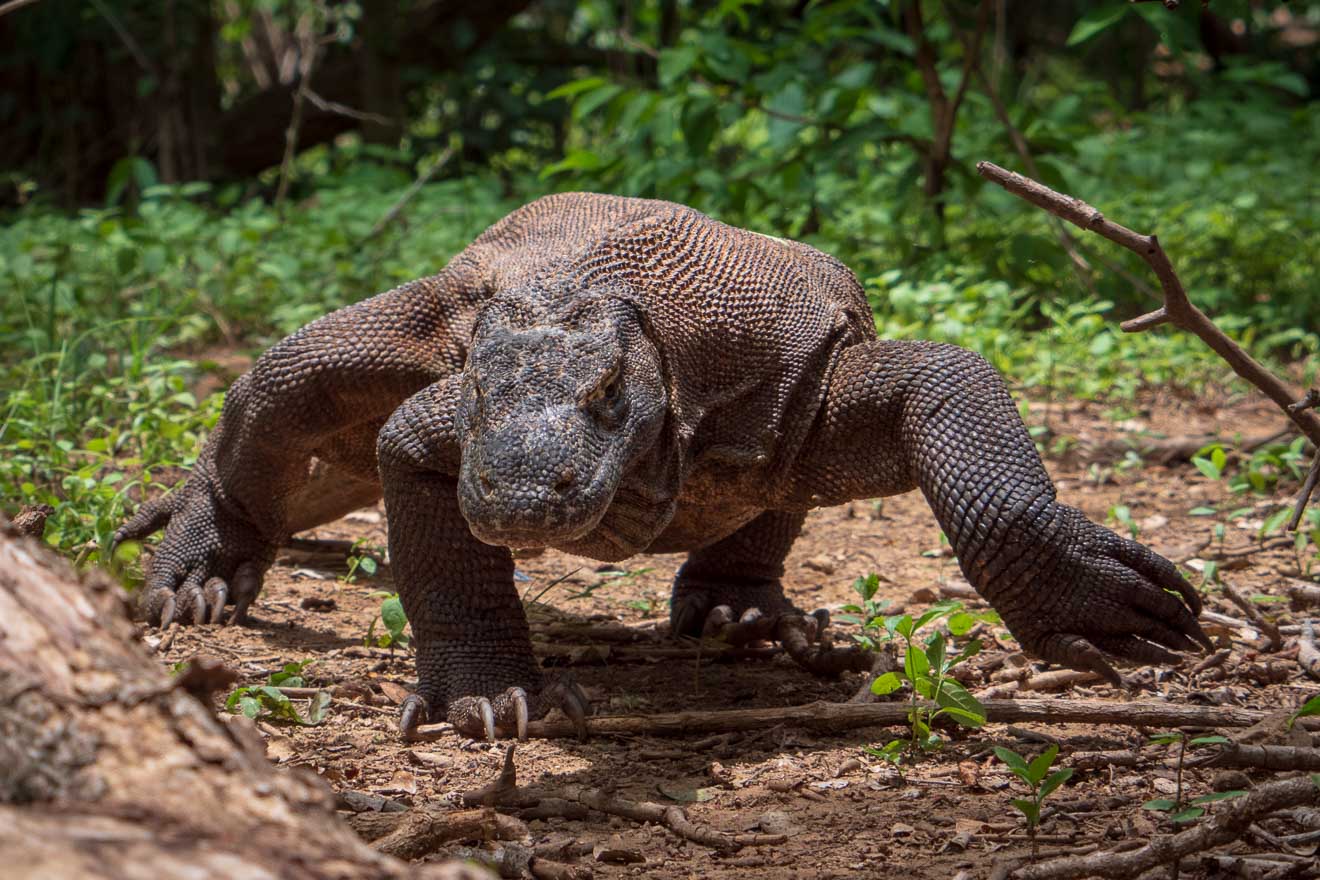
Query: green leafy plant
x=362 y=558
x=269 y=702
x=1036 y=774
x=394 y=621
x=869 y=614
x=927 y=664
x=1177 y=810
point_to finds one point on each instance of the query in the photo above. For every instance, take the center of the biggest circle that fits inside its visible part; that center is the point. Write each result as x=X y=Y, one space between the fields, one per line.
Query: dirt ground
x=841 y=812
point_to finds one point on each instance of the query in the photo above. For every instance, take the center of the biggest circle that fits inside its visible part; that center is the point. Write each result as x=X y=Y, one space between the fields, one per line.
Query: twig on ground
x=1308 y=655
x=1303 y=595
x=501 y=790
x=829 y=717
x=1253 y=614
x=1268 y=757
x=1177 y=310
x=1097 y=760
x=1022 y=680
x=421 y=831
x=1230 y=821
x=1218 y=658
x=412 y=190
x=670 y=817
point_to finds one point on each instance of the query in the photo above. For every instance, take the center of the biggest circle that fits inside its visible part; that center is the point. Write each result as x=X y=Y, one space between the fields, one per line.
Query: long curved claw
x=577 y=707
x=415 y=712
x=167 y=612
x=216 y=594
x=687 y=615
x=519 y=699
x=1076 y=652
x=717 y=620
x=246 y=585
x=487 y=712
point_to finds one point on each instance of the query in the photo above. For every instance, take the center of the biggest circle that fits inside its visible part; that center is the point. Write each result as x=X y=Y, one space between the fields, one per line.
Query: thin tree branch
x=306 y=64
x=125 y=36
x=344 y=110
x=408 y=194
x=1177 y=310
x=1231 y=821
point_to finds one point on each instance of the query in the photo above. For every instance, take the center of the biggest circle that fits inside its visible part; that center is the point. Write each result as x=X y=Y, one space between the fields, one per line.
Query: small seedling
x=1043 y=783
x=608 y=576
x=1178 y=811
x=361 y=559
x=926 y=670
x=394 y=620
x=869 y=615
x=269 y=702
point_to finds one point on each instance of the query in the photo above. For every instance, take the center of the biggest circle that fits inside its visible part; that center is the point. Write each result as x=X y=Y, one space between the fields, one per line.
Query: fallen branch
x=424 y=830
x=833 y=717
x=1308 y=655
x=1303 y=595
x=1231 y=821
x=1264 y=757
x=1177 y=310
x=1097 y=760
x=670 y=817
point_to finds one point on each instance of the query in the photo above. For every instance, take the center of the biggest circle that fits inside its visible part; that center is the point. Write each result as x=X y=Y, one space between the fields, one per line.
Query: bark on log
x=108 y=768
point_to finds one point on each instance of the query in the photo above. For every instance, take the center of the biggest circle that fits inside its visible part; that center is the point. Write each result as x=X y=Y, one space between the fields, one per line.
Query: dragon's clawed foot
x=805 y=637
x=505 y=714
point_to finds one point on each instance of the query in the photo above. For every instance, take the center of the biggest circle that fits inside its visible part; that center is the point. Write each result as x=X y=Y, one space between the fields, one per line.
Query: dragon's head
x=562 y=392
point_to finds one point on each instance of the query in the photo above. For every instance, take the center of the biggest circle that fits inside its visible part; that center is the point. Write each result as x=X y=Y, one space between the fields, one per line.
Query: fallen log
x=833 y=717
x=107 y=765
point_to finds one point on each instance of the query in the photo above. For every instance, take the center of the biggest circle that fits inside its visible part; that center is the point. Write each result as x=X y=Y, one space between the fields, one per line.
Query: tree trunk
x=108 y=768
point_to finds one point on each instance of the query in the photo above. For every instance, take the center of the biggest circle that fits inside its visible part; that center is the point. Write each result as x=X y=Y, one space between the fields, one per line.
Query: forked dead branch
x=1177 y=309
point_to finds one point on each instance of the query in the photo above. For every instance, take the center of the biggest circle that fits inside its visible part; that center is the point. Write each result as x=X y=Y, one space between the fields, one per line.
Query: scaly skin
x=607 y=376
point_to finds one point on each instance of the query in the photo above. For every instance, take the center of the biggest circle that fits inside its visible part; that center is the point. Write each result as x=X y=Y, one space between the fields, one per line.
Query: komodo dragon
x=608 y=376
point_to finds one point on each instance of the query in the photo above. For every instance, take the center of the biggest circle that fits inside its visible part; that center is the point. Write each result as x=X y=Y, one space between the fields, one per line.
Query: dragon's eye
x=614 y=388
x=607 y=389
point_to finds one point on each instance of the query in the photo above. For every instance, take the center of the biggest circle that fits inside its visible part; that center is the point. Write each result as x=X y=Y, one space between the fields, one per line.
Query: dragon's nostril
x=483 y=477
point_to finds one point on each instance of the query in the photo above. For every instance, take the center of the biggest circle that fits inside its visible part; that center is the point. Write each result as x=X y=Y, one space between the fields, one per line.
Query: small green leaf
x=1053 y=781
x=1207 y=740
x=1217 y=796
x=1040 y=765
x=1028 y=808
x=1162 y=805
x=1015 y=762
x=1309 y=708
x=915 y=663
x=1097 y=21
x=1206 y=467
x=1187 y=815
x=886 y=684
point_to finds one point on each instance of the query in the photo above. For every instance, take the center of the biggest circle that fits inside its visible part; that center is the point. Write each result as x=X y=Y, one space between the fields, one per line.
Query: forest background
x=182 y=183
